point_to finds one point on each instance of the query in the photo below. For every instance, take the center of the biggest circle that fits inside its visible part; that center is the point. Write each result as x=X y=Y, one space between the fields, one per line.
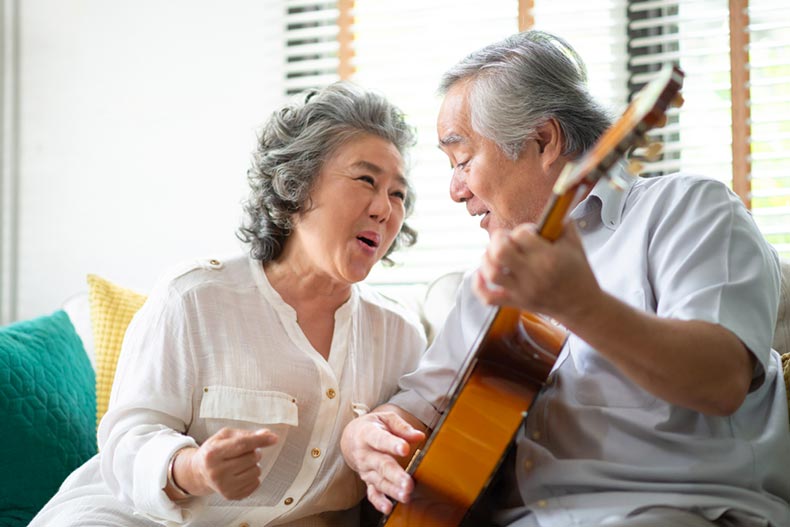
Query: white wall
x=136 y=123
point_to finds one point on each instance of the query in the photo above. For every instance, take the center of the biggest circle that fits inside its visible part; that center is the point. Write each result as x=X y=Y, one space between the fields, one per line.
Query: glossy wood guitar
x=516 y=350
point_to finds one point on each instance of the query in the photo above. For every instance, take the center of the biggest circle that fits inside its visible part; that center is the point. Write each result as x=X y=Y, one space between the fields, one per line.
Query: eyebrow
x=451 y=139
x=377 y=170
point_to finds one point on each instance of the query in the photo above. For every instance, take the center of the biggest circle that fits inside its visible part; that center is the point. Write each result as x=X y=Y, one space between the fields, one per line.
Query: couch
x=56 y=372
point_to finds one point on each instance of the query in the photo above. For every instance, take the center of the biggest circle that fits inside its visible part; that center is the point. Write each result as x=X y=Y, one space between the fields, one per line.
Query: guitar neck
x=552 y=222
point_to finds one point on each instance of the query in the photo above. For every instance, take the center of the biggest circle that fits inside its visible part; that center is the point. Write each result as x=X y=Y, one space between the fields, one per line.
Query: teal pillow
x=47 y=412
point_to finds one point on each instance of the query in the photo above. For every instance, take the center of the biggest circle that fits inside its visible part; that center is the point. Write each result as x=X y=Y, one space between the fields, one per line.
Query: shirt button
x=315 y=452
x=528 y=464
x=543 y=504
x=536 y=435
x=288 y=501
x=331 y=393
x=549 y=381
x=582 y=224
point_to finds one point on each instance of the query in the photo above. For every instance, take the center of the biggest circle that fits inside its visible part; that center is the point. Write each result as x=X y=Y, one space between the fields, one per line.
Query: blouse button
x=315 y=452
x=331 y=393
x=288 y=501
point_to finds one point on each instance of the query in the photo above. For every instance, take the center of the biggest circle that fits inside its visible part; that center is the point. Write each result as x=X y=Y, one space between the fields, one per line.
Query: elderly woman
x=237 y=377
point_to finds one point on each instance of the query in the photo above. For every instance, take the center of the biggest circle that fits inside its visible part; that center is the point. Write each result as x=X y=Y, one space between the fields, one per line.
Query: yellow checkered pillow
x=112 y=308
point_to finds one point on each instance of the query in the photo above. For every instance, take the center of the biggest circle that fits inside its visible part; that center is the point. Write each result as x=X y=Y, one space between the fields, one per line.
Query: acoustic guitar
x=516 y=350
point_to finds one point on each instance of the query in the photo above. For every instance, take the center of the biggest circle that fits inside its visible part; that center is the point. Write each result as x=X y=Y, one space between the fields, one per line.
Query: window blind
x=694 y=35
x=312 y=45
x=401 y=50
x=699 y=138
x=769 y=52
x=598 y=32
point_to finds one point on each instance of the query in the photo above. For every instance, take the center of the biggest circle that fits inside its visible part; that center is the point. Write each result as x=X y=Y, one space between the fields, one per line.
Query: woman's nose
x=380 y=207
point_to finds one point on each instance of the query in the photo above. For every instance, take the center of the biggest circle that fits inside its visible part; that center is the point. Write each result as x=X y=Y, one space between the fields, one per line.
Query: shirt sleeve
x=709 y=261
x=424 y=392
x=150 y=409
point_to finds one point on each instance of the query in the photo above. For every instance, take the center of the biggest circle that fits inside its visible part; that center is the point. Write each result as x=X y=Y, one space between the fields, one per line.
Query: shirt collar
x=607 y=200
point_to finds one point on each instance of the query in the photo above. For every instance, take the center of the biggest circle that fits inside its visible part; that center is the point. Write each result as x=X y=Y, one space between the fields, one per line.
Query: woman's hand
x=226 y=463
x=372 y=446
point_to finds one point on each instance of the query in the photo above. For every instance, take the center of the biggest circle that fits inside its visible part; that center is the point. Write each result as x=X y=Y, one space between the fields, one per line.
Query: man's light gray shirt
x=595 y=444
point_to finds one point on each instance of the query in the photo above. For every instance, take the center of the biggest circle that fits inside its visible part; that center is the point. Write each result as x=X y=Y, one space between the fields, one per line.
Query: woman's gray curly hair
x=291 y=150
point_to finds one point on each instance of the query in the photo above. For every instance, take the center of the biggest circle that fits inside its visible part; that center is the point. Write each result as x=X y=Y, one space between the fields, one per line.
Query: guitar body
x=512 y=362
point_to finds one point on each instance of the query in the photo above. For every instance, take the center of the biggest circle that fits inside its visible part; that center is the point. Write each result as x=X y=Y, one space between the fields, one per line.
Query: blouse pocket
x=226 y=406
x=238 y=404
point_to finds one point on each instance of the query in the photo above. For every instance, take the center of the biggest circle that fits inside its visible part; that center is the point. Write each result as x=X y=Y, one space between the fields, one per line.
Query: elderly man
x=666 y=406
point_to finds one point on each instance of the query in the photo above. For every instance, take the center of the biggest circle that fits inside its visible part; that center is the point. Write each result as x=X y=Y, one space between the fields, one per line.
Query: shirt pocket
x=227 y=406
x=253 y=406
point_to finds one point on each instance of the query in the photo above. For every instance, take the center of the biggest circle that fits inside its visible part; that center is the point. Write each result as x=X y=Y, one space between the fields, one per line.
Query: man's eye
x=400 y=195
x=460 y=166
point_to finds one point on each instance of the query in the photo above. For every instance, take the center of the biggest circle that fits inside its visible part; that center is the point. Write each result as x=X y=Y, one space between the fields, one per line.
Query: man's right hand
x=373 y=444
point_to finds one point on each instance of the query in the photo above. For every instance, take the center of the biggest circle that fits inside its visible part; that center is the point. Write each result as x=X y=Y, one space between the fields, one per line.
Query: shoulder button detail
x=215 y=264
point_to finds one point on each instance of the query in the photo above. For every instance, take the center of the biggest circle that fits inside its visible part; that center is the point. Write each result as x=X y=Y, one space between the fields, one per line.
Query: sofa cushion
x=47 y=407
x=112 y=308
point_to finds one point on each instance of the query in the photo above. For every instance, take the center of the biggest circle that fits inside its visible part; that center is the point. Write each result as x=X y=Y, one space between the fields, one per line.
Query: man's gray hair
x=292 y=148
x=523 y=81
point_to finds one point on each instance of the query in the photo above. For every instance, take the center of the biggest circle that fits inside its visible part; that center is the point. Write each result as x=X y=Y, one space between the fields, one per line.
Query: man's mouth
x=484 y=214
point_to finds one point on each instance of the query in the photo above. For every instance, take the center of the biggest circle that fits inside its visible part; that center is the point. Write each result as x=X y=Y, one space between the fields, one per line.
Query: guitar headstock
x=646 y=111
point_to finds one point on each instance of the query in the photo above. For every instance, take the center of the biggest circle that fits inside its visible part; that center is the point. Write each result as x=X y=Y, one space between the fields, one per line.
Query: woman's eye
x=366 y=179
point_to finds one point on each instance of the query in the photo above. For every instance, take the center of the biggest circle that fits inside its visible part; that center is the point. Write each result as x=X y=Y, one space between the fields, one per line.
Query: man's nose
x=458 y=189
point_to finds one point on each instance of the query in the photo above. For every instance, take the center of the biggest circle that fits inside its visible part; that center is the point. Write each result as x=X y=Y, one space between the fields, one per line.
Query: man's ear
x=550 y=142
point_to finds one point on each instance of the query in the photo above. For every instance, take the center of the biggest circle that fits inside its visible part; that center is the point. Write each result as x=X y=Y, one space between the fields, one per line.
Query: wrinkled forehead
x=453 y=123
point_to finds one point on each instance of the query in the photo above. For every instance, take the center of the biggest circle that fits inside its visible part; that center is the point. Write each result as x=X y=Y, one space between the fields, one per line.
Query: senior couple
x=273 y=388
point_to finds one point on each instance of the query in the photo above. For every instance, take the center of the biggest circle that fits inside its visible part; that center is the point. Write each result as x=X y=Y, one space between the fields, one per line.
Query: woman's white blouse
x=216 y=346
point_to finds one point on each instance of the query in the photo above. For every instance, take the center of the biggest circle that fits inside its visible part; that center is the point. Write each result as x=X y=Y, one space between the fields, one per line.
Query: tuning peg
x=635 y=167
x=677 y=100
x=650 y=152
x=653 y=151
